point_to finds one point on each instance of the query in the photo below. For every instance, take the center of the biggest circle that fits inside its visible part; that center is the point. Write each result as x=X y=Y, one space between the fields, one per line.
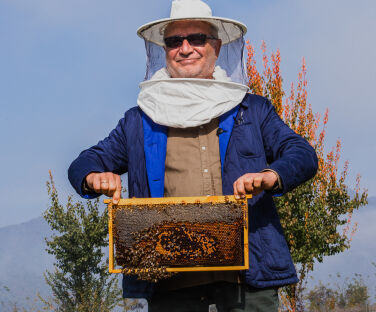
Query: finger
x=118 y=181
x=89 y=180
x=104 y=183
x=112 y=181
x=111 y=184
x=248 y=184
x=257 y=181
x=240 y=187
x=258 y=185
x=97 y=183
x=236 y=194
x=117 y=194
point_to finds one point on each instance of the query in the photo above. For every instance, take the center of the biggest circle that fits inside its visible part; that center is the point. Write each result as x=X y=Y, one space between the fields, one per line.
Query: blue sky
x=70 y=69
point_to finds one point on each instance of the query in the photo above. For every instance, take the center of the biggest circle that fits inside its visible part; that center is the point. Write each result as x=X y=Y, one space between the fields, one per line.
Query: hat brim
x=228 y=29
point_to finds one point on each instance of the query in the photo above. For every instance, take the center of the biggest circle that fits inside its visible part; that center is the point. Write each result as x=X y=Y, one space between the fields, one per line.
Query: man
x=196 y=132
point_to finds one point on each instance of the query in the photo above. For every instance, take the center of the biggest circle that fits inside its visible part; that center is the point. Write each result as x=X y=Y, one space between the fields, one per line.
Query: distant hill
x=23 y=260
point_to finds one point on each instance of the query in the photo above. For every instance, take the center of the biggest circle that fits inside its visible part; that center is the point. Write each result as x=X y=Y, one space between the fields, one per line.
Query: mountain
x=23 y=260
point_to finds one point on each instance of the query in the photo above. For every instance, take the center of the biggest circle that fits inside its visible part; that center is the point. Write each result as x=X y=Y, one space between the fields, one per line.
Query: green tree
x=356 y=292
x=348 y=295
x=80 y=281
x=316 y=216
x=322 y=298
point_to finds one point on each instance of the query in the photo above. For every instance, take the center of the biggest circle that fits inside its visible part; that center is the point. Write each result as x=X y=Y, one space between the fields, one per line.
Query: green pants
x=219 y=296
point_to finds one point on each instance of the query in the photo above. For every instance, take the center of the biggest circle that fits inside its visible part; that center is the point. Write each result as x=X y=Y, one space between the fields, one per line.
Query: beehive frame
x=180 y=200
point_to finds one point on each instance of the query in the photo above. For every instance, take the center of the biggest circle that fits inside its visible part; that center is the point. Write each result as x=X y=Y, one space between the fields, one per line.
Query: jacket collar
x=245 y=103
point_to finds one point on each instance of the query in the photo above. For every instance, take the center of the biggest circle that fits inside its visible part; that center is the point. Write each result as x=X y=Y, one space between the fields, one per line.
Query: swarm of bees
x=150 y=238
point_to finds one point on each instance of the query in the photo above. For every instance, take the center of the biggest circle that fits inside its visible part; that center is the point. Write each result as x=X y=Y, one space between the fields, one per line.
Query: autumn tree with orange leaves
x=316 y=216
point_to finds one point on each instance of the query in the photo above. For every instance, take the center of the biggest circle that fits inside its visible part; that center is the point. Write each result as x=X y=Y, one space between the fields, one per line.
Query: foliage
x=316 y=216
x=356 y=293
x=351 y=296
x=81 y=281
x=322 y=298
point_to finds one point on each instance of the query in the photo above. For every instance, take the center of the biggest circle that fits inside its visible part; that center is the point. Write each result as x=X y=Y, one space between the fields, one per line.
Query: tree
x=356 y=292
x=352 y=295
x=316 y=216
x=322 y=298
x=81 y=281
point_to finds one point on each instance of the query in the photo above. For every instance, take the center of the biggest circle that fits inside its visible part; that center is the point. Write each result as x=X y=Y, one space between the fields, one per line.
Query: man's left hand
x=254 y=183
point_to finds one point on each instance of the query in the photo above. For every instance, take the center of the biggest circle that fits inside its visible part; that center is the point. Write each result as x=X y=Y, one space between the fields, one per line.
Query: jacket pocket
x=247 y=141
x=276 y=253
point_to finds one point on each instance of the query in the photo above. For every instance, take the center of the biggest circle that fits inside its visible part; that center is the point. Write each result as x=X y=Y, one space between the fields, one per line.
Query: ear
x=218 y=45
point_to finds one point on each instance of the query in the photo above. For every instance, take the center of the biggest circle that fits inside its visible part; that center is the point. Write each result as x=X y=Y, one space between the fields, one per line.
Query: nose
x=186 y=48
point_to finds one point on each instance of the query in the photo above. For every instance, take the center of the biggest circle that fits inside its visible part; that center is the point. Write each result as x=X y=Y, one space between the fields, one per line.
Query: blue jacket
x=253 y=138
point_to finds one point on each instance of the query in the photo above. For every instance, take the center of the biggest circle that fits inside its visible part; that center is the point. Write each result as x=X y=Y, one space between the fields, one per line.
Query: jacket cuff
x=77 y=173
x=87 y=192
x=278 y=188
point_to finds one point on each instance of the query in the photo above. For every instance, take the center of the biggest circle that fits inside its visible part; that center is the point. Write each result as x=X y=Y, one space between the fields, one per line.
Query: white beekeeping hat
x=228 y=29
x=231 y=33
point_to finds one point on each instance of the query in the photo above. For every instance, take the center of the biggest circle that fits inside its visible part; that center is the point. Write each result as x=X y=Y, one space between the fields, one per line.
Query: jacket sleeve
x=287 y=153
x=109 y=155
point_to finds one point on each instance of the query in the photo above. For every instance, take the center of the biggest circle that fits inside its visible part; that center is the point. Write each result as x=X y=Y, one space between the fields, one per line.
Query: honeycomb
x=151 y=237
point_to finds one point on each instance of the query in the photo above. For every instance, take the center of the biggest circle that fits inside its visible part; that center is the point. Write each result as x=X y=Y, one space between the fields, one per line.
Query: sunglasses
x=195 y=40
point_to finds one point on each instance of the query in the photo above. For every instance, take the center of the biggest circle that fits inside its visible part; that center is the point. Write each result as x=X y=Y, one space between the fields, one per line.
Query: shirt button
x=206 y=170
x=203 y=148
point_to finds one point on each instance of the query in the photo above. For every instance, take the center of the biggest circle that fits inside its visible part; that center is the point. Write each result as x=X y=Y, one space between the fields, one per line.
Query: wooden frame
x=180 y=200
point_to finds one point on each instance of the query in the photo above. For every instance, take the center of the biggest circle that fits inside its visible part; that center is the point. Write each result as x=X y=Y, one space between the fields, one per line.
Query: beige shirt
x=193 y=165
x=193 y=168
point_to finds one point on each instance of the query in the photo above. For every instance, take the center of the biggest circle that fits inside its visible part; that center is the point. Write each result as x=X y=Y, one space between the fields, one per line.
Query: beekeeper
x=198 y=131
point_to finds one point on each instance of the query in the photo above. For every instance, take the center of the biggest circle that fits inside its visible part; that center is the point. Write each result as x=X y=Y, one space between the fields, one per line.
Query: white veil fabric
x=190 y=102
x=231 y=59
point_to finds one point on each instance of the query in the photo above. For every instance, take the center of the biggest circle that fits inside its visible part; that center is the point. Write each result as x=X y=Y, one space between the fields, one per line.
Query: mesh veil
x=231 y=59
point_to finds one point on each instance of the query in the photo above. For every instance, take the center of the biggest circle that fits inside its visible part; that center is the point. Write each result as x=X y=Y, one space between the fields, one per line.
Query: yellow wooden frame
x=180 y=200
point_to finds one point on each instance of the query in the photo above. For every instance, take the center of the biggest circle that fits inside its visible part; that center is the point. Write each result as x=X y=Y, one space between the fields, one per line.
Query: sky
x=360 y=258
x=70 y=69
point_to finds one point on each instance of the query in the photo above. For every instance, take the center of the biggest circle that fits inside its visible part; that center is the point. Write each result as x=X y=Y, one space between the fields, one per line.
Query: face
x=189 y=61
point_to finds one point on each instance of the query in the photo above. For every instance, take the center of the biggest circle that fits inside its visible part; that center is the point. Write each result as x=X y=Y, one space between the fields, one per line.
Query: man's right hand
x=106 y=183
